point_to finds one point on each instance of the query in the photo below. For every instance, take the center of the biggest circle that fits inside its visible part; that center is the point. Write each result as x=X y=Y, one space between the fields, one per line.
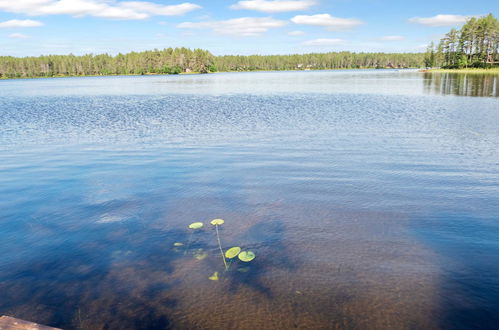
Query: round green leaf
x=217 y=222
x=247 y=256
x=196 y=225
x=232 y=252
x=178 y=244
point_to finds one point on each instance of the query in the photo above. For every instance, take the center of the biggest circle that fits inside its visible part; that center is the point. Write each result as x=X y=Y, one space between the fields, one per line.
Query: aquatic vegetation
x=177 y=246
x=214 y=277
x=232 y=252
x=216 y=223
x=247 y=256
x=200 y=254
x=196 y=225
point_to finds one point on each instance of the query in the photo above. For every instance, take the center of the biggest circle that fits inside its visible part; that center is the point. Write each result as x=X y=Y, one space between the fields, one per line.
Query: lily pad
x=196 y=225
x=247 y=256
x=243 y=269
x=214 y=277
x=216 y=222
x=232 y=252
x=178 y=244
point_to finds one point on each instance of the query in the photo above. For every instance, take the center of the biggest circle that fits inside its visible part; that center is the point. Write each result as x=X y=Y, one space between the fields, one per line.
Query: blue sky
x=35 y=27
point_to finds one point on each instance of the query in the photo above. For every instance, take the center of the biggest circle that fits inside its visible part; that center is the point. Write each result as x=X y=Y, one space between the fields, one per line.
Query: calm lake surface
x=371 y=200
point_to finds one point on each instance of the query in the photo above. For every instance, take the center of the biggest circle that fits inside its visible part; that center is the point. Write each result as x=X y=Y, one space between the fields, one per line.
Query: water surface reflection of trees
x=461 y=84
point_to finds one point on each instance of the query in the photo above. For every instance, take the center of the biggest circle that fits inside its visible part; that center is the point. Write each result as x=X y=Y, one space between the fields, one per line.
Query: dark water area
x=371 y=200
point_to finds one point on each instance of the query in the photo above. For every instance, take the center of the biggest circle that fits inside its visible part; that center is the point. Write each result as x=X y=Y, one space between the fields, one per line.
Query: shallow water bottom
x=342 y=269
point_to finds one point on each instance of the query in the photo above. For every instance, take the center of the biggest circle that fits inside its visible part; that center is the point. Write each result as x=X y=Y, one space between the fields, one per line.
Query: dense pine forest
x=167 y=61
x=475 y=45
x=319 y=61
x=183 y=60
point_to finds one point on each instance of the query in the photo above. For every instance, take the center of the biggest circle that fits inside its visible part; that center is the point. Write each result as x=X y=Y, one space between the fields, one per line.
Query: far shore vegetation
x=493 y=71
x=184 y=60
x=472 y=49
x=474 y=46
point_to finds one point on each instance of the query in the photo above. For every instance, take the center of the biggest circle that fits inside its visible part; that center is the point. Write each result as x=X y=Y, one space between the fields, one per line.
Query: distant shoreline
x=105 y=75
x=494 y=71
x=194 y=73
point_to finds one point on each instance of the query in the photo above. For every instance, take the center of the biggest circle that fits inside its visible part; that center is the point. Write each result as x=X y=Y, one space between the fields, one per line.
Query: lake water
x=370 y=198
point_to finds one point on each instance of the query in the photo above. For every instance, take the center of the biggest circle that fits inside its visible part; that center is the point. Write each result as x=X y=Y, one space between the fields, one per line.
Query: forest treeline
x=319 y=61
x=475 y=45
x=182 y=60
x=166 y=61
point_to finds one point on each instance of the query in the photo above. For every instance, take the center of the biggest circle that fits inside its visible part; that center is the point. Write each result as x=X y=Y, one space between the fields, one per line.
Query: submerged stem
x=188 y=243
x=220 y=247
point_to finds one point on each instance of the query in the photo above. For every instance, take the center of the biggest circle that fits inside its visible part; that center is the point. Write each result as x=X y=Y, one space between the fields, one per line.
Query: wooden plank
x=10 y=323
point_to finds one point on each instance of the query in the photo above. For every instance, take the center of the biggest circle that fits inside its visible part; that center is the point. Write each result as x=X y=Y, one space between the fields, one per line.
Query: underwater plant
x=200 y=254
x=214 y=277
x=232 y=252
x=247 y=256
x=216 y=223
x=230 y=255
x=194 y=225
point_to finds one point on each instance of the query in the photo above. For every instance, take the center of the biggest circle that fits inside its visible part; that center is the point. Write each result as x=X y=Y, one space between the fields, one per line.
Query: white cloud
x=392 y=38
x=296 y=33
x=99 y=8
x=16 y=23
x=17 y=36
x=440 y=20
x=330 y=22
x=244 y=26
x=324 y=42
x=275 y=6
x=160 y=10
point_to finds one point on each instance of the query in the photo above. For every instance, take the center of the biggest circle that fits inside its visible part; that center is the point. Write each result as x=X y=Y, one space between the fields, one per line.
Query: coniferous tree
x=476 y=44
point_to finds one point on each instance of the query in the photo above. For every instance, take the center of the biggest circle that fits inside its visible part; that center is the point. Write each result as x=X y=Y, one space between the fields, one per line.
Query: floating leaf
x=232 y=252
x=196 y=225
x=246 y=256
x=216 y=222
x=214 y=277
x=178 y=244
